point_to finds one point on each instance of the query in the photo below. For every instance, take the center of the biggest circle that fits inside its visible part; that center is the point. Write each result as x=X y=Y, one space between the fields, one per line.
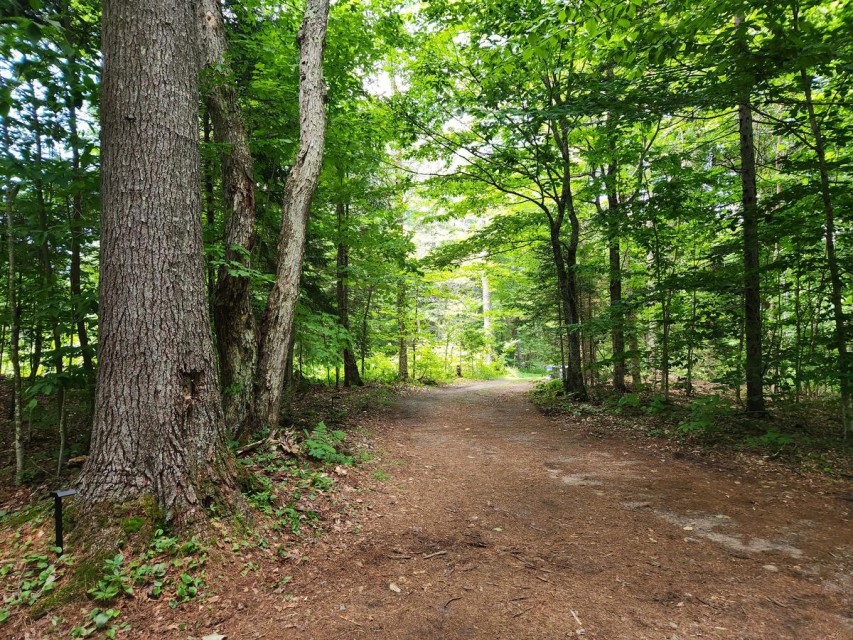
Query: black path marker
x=57 y=512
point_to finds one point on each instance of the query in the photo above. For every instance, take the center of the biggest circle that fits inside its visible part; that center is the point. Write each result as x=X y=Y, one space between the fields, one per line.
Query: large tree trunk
x=158 y=425
x=14 y=322
x=351 y=375
x=751 y=253
x=233 y=316
x=298 y=192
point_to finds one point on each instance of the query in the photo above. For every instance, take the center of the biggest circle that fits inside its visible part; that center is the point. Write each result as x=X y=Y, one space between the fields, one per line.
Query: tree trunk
x=751 y=253
x=566 y=265
x=836 y=289
x=233 y=316
x=35 y=355
x=634 y=347
x=403 y=356
x=488 y=336
x=416 y=333
x=364 y=326
x=75 y=272
x=298 y=192
x=617 y=314
x=351 y=375
x=158 y=425
x=567 y=282
x=47 y=293
x=14 y=322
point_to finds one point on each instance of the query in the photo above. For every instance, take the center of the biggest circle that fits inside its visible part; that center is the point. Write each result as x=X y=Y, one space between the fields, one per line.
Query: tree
x=14 y=318
x=233 y=316
x=158 y=427
x=751 y=248
x=277 y=326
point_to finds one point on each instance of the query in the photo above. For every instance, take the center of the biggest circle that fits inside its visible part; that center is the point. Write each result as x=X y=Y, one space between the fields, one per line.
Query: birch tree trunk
x=301 y=183
x=233 y=317
x=158 y=426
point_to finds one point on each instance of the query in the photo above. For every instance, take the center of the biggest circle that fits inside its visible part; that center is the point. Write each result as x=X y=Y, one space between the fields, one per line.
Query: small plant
x=382 y=477
x=629 y=403
x=38 y=578
x=163 y=544
x=99 y=620
x=279 y=585
x=149 y=574
x=771 y=440
x=188 y=587
x=262 y=496
x=113 y=582
x=322 y=444
x=703 y=415
x=657 y=406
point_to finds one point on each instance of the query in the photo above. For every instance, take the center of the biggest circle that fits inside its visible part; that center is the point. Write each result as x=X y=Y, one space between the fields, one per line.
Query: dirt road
x=498 y=522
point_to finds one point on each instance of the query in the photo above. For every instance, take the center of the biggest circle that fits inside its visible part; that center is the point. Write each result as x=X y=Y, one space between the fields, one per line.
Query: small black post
x=57 y=513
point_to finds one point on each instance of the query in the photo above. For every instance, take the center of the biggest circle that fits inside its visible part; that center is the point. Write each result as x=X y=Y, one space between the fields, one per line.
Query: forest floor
x=482 y=518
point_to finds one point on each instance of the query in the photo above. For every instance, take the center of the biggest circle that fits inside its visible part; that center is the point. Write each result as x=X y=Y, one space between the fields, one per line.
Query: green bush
x=703 y=415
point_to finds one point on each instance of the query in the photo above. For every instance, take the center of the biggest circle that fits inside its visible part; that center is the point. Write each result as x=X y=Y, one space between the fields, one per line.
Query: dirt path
x=497 y=522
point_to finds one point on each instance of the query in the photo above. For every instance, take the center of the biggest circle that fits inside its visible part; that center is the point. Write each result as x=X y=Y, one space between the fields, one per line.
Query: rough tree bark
x=233 y=317
x=351 y=375
x=298 y=191
x=158 y=425
x=751 y=250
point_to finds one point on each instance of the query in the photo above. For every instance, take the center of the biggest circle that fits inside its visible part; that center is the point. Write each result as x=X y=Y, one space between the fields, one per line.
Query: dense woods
x=233 y=230
x=648 y=197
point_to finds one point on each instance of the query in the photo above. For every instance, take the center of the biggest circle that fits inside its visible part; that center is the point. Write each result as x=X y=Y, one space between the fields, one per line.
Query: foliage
x=322 y=444
x=703 y=415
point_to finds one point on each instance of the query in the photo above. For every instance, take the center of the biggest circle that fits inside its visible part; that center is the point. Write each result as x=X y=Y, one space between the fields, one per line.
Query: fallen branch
x=437 y=553
x=256 y=445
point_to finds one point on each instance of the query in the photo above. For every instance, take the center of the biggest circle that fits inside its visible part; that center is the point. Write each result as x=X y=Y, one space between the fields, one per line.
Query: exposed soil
x=498 y=522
